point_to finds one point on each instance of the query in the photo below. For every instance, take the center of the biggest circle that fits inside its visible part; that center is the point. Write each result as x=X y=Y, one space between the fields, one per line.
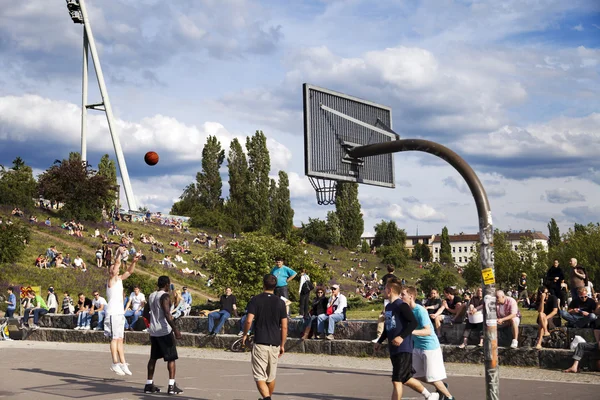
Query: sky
x=511 y=86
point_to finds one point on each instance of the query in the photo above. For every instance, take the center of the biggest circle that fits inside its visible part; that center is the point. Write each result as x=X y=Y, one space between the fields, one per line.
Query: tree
x=208 y=182
x=243 y=263
x=316 y=232
x=259 y=165
x=582 y=243
x=17 y=185
x=364 y=247
x=395 y=255
x=333 y=228
x=74 y=183
x=445 y=249
x=421 y=252
x=188 y=201
x=388 y=234
x=438 y=277
x=108 y=169
x=553 y=234
x=347 y=208
x=238 y=184
x=282 y=214
x=506 y=261
x=12 y=241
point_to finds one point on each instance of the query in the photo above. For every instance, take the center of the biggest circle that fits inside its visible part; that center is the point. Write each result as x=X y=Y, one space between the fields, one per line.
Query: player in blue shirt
x=427 y=357
x=400 y=322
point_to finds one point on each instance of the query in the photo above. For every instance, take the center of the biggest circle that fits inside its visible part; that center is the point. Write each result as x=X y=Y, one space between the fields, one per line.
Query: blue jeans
x=331 y=320
x=243 y=322
x=135 y=315
x=84 y=319
x=578 y=321
x=222 y=316
x=101 y=315
x=10 y=313
x=37 y=313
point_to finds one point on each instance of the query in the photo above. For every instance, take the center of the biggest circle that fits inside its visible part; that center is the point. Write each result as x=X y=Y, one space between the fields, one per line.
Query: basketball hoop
x=325 y=190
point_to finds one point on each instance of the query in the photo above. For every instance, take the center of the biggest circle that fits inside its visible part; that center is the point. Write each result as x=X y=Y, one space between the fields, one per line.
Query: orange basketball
x=151 y=158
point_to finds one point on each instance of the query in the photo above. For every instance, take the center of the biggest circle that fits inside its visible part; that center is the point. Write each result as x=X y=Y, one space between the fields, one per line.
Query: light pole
x=79 y=15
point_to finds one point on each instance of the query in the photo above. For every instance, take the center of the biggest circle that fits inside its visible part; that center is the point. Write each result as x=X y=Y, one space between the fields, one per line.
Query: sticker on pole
x=488 y=276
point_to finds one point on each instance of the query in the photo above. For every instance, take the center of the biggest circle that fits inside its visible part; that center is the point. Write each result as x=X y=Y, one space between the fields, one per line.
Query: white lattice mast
x=79 y=15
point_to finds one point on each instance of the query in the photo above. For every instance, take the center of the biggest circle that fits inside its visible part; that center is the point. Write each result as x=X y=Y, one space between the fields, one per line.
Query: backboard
x=335 y=122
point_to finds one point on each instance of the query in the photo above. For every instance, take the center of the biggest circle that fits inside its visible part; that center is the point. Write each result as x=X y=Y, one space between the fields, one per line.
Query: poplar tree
x=445 y=249
x=208 y=182
x=282 y=214
x=553 y=234
x=347 y=208
x=108 y=169
x=257 y=198
x=237 y=166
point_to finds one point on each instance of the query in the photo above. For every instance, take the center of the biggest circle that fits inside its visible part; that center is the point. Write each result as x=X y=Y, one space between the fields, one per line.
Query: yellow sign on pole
x=488 y=276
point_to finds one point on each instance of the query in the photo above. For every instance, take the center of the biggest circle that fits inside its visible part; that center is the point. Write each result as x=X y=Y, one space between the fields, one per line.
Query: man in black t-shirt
x=228 y=307
x=547 y=309
x=523 y=295
x=381 y=319
x=450 y=312
x=581 y=310
x=270 y=334
x=84 y=305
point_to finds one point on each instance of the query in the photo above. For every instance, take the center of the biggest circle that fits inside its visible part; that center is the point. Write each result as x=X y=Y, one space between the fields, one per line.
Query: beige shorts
x=264 y=362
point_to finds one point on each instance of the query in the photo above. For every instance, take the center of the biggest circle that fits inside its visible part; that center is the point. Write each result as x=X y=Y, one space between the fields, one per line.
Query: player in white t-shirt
x=427 y=357
x=98 y=306
x=135 y=307
x=114 y=323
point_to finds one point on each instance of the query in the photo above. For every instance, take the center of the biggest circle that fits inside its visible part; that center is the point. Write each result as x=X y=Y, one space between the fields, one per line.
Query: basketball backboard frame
x=334 y=124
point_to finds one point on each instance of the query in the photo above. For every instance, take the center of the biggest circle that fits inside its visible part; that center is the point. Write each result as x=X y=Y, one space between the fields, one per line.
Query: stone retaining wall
x=352 y=338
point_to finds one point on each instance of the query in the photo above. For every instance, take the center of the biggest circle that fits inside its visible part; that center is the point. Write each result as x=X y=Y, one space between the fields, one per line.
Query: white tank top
x=114 y=297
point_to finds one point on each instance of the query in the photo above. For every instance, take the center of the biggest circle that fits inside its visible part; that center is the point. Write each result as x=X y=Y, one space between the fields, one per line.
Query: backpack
x=307 y=287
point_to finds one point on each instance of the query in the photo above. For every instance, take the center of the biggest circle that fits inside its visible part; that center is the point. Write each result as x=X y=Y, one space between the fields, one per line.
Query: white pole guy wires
x=79 y=15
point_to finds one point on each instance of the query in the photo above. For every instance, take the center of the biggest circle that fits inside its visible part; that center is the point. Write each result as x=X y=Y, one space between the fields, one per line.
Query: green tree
x=395 y=255
x=239 y=188
x=333 y=228
x=108 y=169
x=553 y=234
x=316 y=232
x=347 y=208
x=259 y=165
x=445 y=249
x=364 y=247
x=17 y=185
x=388 y=234
x=208 y=182
x=438 y=277
x=582 y=243
x=243 y=263
x=74 y=183
x=188 y=201
x=506 y=261
x=12 y=241
x=421 y=252
x=472 y=271
x=283 y=214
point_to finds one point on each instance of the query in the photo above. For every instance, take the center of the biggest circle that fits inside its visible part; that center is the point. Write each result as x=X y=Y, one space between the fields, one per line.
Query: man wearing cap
x=284 y=274
x=334 y=313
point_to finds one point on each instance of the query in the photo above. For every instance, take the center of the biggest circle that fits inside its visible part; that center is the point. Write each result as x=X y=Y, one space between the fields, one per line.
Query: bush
x=12 y=241
x=438 y=277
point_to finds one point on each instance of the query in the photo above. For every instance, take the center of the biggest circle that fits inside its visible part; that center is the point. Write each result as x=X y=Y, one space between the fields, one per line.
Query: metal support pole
x=108 y=109
x=84 y=97
x=490 y=349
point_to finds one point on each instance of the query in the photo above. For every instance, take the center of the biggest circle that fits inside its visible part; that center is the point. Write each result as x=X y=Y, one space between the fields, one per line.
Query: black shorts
x=163 y=347
x=402 y=369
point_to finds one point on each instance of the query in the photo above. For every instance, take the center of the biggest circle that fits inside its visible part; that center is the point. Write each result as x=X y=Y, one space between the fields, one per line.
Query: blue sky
x=510 y=85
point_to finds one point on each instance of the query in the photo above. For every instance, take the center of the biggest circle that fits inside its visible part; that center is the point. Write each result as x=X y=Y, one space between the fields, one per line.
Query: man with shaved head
x=509 y=316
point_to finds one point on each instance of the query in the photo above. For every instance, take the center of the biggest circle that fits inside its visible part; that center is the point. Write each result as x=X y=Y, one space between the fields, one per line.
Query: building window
x=471 y=249
x=453 y=259
x=426 y=241
x=436 y=250
x=516 y=247
x=415 y=241
x=459 y=259
x=454 y=249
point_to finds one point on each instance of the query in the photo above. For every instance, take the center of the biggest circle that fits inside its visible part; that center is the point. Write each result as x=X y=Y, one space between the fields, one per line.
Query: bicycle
x=239 y=347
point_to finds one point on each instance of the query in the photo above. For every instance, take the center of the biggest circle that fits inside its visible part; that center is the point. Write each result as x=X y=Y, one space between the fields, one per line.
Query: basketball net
x=324 y=189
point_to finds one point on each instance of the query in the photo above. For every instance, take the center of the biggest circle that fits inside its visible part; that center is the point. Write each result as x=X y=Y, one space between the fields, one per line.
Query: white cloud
x=578 y=28
x=424 y=212
x=563 y=196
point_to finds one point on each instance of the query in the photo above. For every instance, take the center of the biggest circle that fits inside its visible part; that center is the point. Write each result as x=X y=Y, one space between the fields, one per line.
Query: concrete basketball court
x=44 y=370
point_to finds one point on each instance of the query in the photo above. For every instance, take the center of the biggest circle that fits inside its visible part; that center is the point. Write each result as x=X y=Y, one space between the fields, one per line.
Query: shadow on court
x=76 y=386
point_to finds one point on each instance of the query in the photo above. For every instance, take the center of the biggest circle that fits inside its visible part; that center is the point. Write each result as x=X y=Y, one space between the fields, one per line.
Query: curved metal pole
x=486 y=235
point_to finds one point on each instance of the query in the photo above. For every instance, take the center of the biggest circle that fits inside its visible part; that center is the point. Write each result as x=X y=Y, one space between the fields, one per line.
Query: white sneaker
x=434 y=396
x=85 y=328
x=78 y=327
x=375 y=340
x=117 y=369
x=125 y=368
x=514 y=344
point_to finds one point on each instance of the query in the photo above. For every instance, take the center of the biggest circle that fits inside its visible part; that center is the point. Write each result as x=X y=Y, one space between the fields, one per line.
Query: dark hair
x=278 y=258
x=11 y=289
x=449 y=290
x=80 y=294
x=163 y=281
x=269 y=281
x=390 y=268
